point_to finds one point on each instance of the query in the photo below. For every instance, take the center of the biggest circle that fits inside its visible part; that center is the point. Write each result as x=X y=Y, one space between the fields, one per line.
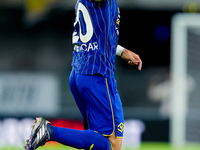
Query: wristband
x=119 y=50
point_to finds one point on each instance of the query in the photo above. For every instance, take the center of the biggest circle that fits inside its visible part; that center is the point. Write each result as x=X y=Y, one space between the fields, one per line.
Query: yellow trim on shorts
x=111 y=148
x=111 y=109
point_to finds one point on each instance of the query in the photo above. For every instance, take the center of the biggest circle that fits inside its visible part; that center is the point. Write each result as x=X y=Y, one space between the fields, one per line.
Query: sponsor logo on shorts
x=120 y=127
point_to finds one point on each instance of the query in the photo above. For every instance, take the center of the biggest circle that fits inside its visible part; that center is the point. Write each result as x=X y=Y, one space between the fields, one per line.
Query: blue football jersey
x=95 y=37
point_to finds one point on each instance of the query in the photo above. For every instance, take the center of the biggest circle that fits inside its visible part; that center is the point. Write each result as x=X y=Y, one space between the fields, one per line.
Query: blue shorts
x=99 y=103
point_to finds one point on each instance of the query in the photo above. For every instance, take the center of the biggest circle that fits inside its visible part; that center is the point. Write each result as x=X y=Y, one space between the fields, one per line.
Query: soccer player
x=92 y=81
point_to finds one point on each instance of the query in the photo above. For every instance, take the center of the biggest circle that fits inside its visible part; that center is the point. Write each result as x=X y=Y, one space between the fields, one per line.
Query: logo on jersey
x=118 y=19
x=118 y=22
x=86 y=47
x=120 y=127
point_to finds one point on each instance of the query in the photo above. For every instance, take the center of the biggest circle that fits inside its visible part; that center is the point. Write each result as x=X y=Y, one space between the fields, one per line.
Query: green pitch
x=144 y=146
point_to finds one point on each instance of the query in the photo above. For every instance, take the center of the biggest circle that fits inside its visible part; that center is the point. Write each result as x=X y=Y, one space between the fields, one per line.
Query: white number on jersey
x=88 y=22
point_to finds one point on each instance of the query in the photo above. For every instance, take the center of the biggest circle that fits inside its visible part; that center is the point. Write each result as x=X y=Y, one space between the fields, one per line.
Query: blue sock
x=81 y=139
x=50 y=128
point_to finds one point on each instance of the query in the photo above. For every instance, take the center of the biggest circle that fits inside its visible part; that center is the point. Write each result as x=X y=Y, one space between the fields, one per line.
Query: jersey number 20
x=88 y=23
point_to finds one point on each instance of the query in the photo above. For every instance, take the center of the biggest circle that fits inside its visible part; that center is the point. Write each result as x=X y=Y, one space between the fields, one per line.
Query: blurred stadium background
x=35 y=62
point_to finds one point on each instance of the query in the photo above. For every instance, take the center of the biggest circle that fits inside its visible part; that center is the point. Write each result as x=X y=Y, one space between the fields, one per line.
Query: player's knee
x=116 y=142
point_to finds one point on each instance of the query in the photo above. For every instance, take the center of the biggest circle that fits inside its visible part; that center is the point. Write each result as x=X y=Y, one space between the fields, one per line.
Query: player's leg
x=116 y=137
x=80 y=101
x=85 y=139
x=105 y=113
x=102 y=118
x=116 y=142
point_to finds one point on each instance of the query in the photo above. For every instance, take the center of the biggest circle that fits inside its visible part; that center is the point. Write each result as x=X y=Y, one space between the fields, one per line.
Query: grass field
x=144 y=146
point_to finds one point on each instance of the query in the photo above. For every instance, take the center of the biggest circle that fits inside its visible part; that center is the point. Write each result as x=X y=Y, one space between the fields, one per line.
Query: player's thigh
x=79 y=99
x=102 y=103
x=117 y=110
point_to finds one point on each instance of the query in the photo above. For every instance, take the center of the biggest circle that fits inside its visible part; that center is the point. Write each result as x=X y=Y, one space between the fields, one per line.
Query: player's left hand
x=132 y=58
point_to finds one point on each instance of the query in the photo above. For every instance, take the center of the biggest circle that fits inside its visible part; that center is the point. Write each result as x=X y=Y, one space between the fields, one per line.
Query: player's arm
x=131 y=57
